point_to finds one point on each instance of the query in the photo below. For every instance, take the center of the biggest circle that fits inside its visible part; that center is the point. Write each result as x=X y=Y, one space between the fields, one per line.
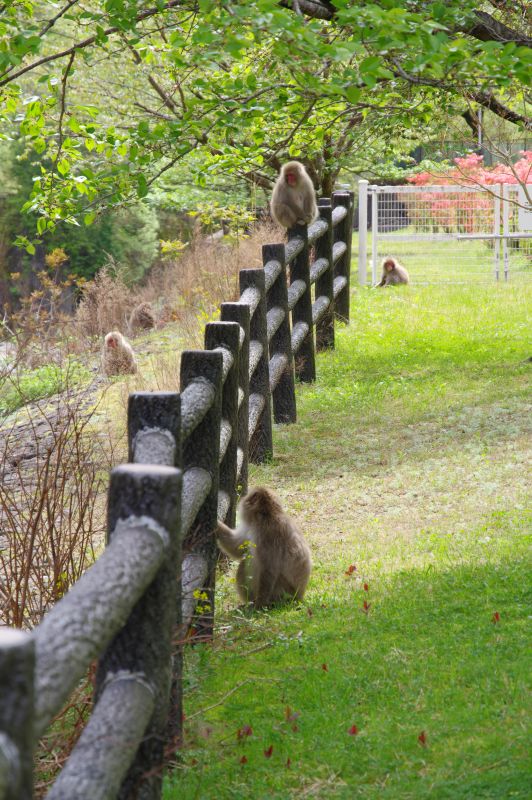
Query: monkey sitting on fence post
x=393 y=273
x=117 y=355
x=275 y=560
x=293 y=197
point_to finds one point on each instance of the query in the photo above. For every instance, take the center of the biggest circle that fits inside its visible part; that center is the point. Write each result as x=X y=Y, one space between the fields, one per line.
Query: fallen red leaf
x=245 y=730
x=422 y=738
x=269 y=751
x=353 y=730
x=496 y=618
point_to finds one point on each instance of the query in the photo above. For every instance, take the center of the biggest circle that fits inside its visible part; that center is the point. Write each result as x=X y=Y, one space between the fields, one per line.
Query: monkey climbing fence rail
x=189 y=455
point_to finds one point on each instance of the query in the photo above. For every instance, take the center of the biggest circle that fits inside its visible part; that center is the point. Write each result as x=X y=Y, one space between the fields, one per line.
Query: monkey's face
x=291 y=178
x=111 y=342
x=389 y=266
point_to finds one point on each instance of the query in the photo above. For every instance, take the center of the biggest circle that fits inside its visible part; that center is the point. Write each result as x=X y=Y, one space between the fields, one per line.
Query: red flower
x=365 y=606
x=244 y=760
x=245 y=730
x=310 y=612
x=351 y=568
x=496 y=618
x=366 y=587
x=325 y=668
x=288 y=762
x=422 y=738
x=269 y=751
x=353 y=730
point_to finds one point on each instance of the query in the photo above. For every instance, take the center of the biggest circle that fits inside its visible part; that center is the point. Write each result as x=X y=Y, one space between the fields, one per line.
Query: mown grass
x=409 y=461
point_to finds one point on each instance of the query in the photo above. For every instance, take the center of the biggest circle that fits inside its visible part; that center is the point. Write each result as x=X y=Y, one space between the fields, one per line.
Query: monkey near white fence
x=446 y=234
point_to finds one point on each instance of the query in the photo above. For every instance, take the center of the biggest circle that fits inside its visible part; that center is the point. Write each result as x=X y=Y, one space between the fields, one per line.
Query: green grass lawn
x=410 y=462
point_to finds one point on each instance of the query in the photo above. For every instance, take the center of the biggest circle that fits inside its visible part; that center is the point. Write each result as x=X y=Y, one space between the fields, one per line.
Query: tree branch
x=483 y=97
x=488 y=29
x=84 y=43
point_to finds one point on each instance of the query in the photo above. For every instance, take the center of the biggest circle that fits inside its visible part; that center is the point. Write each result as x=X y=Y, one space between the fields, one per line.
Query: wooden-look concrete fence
x=188 y=462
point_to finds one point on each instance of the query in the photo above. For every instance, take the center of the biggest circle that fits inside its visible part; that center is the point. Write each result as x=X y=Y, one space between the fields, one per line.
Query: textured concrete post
x=154 y=428
x=239 y=312
x=17 y=665
x=324 y=284
x=144 y=645
x=154 y=437
x=305 y=365
x=284 y=395
x=202 y=449
x=343 y=232
x=261 y=441
x=227 y=335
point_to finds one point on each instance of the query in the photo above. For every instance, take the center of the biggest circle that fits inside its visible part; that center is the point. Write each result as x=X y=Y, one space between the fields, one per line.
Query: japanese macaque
x=293 y=198
x=393 y=273
x=275 y=560
x=142 y=316
x=117 y=355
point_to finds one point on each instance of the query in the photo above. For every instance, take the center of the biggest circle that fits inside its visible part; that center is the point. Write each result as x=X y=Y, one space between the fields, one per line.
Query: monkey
x=275 y=560
x=393 y=273
x=293 y=198
x=142 y=316
x=117 y=355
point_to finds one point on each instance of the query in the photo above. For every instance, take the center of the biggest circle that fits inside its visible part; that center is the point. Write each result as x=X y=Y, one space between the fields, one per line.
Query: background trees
x=116 y=97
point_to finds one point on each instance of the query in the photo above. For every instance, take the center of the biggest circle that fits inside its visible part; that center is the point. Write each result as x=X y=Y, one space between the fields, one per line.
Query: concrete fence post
x=142 y=649
x=305 y=365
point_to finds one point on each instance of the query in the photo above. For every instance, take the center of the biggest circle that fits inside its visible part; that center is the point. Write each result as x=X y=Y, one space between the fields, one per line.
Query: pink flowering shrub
x=463 y=212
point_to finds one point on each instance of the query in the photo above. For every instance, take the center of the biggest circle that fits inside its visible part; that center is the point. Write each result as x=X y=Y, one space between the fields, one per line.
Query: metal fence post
x=362 y=231
x=17 y=741
x=142 y=650
x=284 y=394
x=261 y=440
x=305 y=365
x=239 y=312
x=324 y=284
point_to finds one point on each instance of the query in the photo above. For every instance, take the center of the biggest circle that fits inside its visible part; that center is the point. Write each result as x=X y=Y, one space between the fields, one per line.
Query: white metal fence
x=446 y=234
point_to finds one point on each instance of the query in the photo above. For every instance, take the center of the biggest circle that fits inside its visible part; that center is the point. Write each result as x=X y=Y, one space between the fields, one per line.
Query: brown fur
x=291 y=204
x=275 y=560
x=117 y=355
x=142 y=317
x=393 y=273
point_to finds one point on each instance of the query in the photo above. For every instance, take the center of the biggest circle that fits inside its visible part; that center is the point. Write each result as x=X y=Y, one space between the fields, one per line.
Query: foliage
x=405 y=672
x=138 y=89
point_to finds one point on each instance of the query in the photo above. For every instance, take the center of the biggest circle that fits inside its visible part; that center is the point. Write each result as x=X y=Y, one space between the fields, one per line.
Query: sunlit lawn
x=409 y=461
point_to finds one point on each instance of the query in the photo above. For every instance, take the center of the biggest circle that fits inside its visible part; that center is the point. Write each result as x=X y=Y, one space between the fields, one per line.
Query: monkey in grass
x=293 y=198
x=275 y=560
x=393 y=273
x=117 y=355
x=142 y=316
